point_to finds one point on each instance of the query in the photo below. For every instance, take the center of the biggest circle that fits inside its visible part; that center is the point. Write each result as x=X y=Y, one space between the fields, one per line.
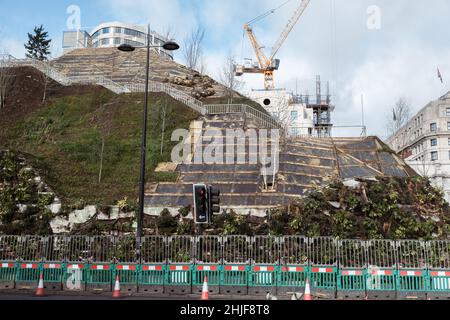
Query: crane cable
x=258 y=18
x=268 y=13
x=334 y=64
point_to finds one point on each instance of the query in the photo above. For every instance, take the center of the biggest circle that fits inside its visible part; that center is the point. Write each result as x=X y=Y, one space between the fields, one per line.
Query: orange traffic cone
x=205 y=290
x=307 y=295
x=116 y=292
x=40 y=292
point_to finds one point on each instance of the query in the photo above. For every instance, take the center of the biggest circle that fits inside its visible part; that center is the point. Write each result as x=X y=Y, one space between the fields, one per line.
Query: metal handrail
x=260 y=117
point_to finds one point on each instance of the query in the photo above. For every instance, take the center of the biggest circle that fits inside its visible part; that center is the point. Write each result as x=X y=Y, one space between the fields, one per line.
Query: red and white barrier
x=126 y=267
x=293 y=269
x=75 y=266
x=234 y=268
x=263 y=269
x=375 y=272
x=322 y=270
x=179 y=268
x=352 y=273
x=100 y=267
x=6 y=265
x=152 y=268
x=52 y=266
x=29 y=266
x=411 y=273
x=207 y=268
x=440 y=273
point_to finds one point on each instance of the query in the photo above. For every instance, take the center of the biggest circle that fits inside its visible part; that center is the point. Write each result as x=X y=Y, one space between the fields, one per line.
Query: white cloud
x=13 y=47
x=178 y=15
x=405 y=70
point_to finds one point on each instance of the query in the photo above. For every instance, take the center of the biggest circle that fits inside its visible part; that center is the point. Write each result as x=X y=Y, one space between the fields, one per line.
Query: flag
x=440 y=76
x=395 y=116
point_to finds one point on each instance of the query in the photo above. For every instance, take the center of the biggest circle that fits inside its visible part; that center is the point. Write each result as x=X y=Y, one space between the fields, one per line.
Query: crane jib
x=269 y=65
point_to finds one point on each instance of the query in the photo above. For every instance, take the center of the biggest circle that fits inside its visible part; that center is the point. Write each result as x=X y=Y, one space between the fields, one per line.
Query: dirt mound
x=27 y=92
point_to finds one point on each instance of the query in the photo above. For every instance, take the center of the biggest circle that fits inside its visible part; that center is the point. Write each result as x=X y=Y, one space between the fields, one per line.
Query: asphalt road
x=62 y=296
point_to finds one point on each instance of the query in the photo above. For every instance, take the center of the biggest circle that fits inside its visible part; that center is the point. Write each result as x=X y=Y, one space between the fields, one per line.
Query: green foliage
x=392 y=208
x=126 y=205
x=231 y=223
x=167 y=225
x=63 y=142
x=38 y=45
x=20 y=188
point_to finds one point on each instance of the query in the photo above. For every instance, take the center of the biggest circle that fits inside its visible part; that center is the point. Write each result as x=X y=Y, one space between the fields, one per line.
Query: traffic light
x=201 y=214
x=213 y=202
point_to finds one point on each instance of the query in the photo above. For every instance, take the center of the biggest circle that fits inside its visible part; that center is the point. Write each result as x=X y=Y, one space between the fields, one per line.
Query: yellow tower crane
x=268 y=66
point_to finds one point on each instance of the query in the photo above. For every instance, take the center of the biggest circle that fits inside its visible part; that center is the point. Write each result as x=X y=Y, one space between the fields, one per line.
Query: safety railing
x=261 y=118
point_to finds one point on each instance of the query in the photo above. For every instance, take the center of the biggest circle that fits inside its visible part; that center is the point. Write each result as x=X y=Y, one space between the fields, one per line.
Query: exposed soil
x=27 y=92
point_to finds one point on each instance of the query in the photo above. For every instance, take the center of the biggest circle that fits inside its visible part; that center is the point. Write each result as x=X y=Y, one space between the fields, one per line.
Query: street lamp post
x=170 y=46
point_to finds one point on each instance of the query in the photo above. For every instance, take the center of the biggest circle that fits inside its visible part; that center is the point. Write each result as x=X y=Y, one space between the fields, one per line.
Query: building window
x=294 y=115
x=294 y=132
x=105 y=30
x=447 y=112
x=448 y=126
x=105 y=42
x=434 y=142
x=118 y=30
x=433 y=127
x=449 y=141
x=117 y=41
x=434 y=156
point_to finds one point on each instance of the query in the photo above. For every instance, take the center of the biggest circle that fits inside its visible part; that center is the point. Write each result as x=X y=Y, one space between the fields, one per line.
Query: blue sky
x=399 y=59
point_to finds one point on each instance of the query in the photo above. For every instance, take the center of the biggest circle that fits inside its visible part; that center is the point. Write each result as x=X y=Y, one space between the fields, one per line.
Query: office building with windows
x=282 y=105
x=113 y=34
x=424 y=143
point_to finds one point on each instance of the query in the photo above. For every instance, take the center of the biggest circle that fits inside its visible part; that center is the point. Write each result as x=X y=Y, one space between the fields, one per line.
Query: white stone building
x=424 y=142
x=296 y=117
x=113 y=34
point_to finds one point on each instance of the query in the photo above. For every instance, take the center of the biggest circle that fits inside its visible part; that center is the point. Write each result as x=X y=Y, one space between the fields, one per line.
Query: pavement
x=64 y=296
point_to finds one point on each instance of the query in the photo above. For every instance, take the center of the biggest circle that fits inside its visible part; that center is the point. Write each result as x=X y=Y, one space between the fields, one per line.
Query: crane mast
x=267 y=66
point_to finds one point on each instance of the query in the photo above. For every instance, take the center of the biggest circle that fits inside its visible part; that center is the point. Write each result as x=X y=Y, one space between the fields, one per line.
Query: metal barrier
x=293 y=269
x=180 y=258
x=52 y=268
x=76 y=254
x=8 y=257
x=346 y=269
x=352 y=273
x=412 y=277
x=127 y=263
x=438 y=258
x=236 y=265
x=101 y=270
x=381 y=277
x=153 y=265
x=31 y=250
x=264 y=260
x=323 y=266
x=208 y=263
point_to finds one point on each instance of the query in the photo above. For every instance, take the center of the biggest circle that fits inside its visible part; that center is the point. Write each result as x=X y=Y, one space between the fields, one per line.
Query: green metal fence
x=381 y=268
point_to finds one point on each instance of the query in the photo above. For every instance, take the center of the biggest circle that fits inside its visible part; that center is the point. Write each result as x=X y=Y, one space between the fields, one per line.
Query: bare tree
x=168 y=32
x=229 y=79
x=400 y=116
x=6 y=79
x=6 y=76
x=163 y=120
x=193 y=48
